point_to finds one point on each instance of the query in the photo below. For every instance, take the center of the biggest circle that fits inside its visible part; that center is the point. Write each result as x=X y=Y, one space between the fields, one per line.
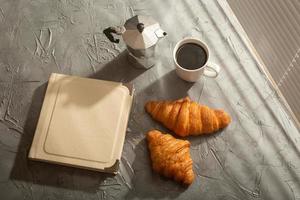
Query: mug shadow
x=168 y=87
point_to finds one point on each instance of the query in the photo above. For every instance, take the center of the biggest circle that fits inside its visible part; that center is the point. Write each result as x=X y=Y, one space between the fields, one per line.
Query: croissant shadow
x=157 y=186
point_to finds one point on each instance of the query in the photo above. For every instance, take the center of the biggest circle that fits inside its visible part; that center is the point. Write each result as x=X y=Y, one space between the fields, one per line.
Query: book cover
x=82 y=123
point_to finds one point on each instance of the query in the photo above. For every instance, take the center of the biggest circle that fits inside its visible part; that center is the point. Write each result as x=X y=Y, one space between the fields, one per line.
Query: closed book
x=82 y=123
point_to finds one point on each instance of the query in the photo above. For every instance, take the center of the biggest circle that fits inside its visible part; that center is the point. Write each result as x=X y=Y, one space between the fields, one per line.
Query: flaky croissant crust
x=186 y=117
x=171 y=157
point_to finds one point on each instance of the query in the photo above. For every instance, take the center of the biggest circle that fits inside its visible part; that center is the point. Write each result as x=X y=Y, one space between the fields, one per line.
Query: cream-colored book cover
x=82 y=123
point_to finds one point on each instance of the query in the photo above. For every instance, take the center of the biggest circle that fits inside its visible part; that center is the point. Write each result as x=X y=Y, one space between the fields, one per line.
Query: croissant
x=186 y=117
x=171 y=157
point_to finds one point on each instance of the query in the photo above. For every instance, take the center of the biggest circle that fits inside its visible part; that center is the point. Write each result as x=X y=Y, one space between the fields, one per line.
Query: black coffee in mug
x=191 y=56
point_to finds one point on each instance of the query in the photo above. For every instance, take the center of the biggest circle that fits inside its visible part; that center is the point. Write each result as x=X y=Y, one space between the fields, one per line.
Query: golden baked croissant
x=186 y=117
x=171 y=157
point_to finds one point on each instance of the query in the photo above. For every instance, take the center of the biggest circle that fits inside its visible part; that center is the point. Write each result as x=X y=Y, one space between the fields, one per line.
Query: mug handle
x=211 y=70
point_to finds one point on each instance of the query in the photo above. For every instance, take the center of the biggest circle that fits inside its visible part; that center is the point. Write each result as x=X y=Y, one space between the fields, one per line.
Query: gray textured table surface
x=256 y=157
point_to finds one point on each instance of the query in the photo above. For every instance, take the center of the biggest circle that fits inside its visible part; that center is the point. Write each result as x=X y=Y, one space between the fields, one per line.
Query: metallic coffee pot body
x=140 y=34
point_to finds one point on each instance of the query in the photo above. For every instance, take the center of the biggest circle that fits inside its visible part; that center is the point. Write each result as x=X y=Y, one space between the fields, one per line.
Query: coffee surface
x=191 y=56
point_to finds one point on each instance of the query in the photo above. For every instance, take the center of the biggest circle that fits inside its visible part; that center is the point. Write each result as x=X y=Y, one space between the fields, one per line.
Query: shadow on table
x=148 y=184
x=54 y=175
x=119 y=69
x=39 y=173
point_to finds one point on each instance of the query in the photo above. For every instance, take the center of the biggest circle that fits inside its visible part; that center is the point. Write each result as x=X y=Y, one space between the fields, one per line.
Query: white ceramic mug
x=208 y=69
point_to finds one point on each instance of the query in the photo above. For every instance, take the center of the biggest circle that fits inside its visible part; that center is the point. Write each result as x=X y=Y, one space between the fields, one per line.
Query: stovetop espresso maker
x=140 y=34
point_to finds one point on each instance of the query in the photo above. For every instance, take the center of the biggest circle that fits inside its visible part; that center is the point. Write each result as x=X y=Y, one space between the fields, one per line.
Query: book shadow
x=58 y=176
x=47 y=174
